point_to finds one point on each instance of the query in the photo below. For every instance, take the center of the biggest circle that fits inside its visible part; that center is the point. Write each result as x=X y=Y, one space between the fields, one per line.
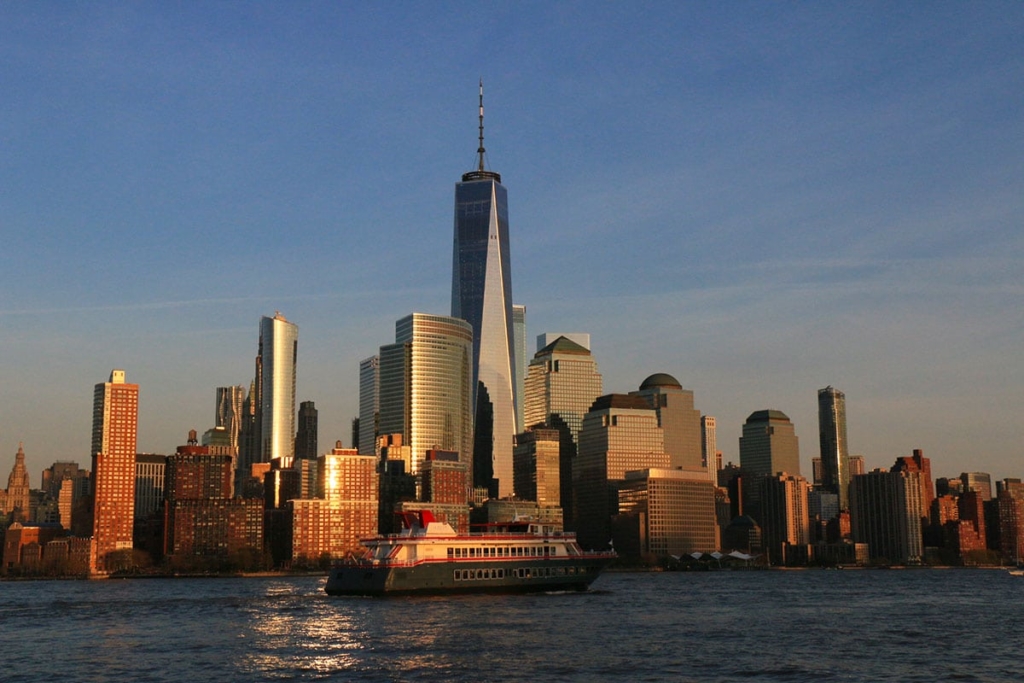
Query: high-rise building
x=620 y=434
x=229 y=413
x=149 y=484
x=581 y=338
x=519 y=337
x=679 y=420
x=369 y=405
x=856 y=465
x=115 y=413
x=785 y=519
x=918 y=463
x=665 y=512
x=710 y=454
x=769 y=444
x=18 y=499
x=561 y=384
x=482 y=296
x=977 y=481
x=537 y=467
x=306 y=434
x=278 y=350
x=885 y=513
x=425 y=389
x=835 y=472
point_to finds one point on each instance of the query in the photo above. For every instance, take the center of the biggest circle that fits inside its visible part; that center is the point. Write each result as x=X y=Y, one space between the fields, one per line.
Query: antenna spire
x=480 y=150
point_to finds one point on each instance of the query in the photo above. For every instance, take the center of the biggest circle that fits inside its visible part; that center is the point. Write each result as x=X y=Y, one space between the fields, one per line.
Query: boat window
x=451 y=552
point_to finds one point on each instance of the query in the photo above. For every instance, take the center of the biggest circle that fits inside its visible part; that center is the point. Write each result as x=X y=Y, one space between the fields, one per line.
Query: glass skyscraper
x=279 y=341
x=425 y=388
x=835 y=469
x=482 y=296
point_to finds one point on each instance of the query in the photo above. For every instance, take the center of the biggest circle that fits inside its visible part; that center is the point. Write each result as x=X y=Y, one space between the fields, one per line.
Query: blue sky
x=760 y=199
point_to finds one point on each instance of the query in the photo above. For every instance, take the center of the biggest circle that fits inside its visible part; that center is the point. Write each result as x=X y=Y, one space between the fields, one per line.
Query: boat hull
x=437 y=578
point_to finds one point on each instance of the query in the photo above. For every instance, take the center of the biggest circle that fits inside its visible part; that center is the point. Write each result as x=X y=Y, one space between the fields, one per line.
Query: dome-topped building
x=660 y=379
x=677 y=418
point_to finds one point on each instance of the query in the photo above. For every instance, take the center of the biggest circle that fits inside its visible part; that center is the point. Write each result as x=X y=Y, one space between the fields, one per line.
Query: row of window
x=519 y=573
x=501 y=551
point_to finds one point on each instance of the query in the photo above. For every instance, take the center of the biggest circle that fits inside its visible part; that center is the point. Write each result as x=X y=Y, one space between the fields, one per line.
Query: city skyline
x=760 y=202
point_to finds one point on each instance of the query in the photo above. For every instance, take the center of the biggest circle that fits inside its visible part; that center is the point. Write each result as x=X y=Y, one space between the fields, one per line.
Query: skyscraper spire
x=480 y=149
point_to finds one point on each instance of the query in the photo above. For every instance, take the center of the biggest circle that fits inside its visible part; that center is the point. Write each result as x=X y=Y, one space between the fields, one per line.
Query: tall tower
x=279 y=342
x=769 y=444
x=425 y=389
x=229 y=412
x=307 y=432
x=561 y=384
x=835 y=454
x=482 y=296
x=115 y=413
x=678 y=418
x=369 y=405
x=17 y=488
x=519 y=334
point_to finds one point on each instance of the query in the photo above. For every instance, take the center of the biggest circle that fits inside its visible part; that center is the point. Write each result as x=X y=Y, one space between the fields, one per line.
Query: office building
x=678 y=419
x=18 y=499
x=663 y=512
x=519 y=351
x=115 y=414
x=711 y=458
x=918 y=463
x=769 y=444
x=369 y=405
x=835 y=472
x=562 y=382
x=785 y=519
x=149 y=484
x=885 y=512
x=278 y=350
x=536 y=466
x=620 y=434
x=306 y=434
x=444 y=479
x=856 y=463
x=425 y=386
x=482 y=296
x=977 y=481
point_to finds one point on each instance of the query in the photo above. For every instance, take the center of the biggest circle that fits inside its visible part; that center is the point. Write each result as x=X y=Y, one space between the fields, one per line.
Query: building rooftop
x=660 y=379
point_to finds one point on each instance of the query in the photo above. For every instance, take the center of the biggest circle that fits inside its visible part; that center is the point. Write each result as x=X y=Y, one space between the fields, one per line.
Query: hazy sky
x=760 y=199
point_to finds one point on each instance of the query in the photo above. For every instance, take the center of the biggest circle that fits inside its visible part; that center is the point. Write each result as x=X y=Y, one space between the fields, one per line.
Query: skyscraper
x=482 y=296
x=425 y=389
x=835 y=454
x=17 y=489
x=306 y=435
x=278 y=350
x=519 y=335
x=678 y=418
x=885 y=512
x=769 y=444
x=620 y=434
x=115 y=412
x=561 y=384
x=229 y=412
x=709 y=445
x=369 y=405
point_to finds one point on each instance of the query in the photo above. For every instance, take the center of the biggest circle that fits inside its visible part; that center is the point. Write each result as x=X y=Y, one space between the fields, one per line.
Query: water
x=913 y=625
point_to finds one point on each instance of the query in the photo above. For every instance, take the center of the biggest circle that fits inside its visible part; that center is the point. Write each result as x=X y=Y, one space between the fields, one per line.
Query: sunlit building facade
x=678 y=419
x=278 y=350
x=620 y=434
x=664 y=512
x=482 y=296
x=425 y=386
x=561 y=384
x=885 y=512
x=114 y=431
x=536 y=466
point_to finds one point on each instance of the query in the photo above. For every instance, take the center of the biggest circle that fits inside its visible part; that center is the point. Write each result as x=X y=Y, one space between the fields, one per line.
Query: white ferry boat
x=429 y=557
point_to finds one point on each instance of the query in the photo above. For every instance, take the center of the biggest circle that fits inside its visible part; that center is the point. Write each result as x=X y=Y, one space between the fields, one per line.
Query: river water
x=895 y=625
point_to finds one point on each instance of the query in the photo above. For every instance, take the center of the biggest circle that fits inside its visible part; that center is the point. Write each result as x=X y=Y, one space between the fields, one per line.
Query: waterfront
x=898 y=625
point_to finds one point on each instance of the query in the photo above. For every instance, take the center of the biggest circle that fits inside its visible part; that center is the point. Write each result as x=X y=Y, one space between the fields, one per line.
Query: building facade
x=369 y=404
x=425 y=386
x=536 y=465
x=769 y=444
x=663 y=512
x=620 y=434
x=785 y=518
x=678 y=419
x=115 y=417
x=835 y=454
x=885 y=513
x=278 y=351
x=307 y=432
x=482 y=296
